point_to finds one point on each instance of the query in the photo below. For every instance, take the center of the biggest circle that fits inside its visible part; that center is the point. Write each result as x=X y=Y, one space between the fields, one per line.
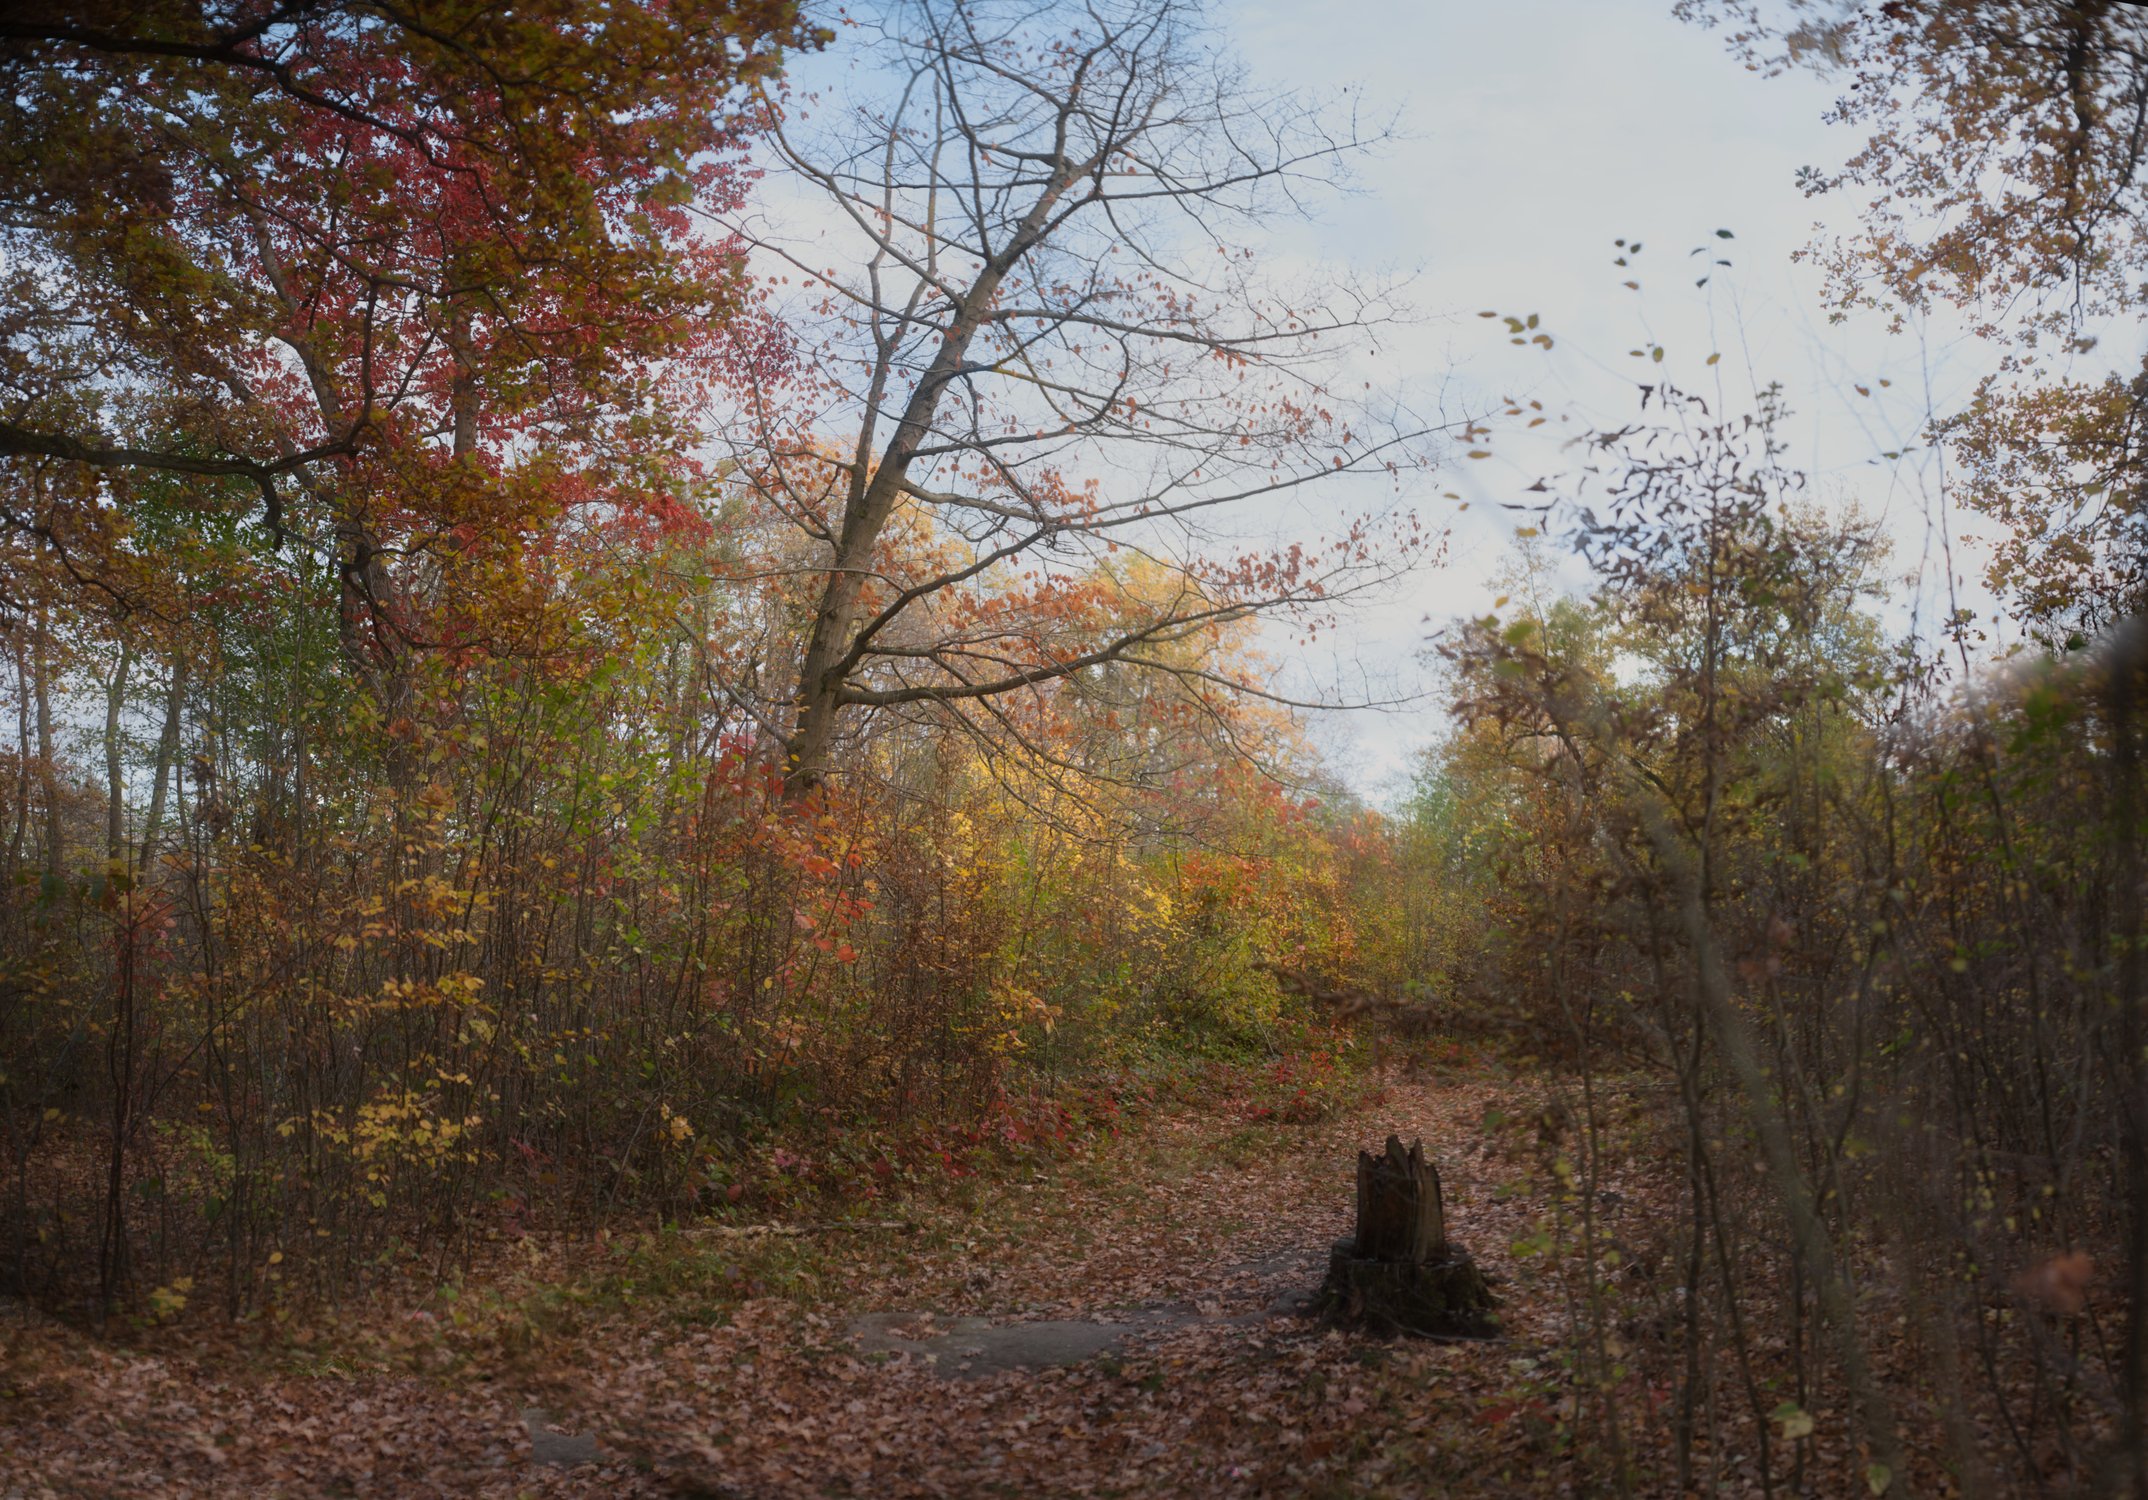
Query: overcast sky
x=1536 y=134
x=1531 y=136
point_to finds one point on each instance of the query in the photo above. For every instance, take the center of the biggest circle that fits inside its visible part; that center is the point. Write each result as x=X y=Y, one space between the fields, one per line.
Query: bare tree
x=1035 y=338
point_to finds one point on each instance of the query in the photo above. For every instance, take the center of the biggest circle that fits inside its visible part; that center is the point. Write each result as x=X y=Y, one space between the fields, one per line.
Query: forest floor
x=1123 y=1319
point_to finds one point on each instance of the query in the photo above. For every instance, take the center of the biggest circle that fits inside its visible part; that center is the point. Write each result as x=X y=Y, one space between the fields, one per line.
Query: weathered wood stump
x=1401 y=1274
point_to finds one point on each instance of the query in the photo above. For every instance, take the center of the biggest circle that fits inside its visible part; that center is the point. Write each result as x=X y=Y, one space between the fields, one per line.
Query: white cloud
x=1534 y=134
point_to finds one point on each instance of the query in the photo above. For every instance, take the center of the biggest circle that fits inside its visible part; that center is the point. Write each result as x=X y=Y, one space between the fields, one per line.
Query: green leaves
x=1794 y=1421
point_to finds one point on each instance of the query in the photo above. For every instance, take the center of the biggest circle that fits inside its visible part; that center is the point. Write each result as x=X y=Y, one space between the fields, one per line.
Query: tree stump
x=1401 y=1274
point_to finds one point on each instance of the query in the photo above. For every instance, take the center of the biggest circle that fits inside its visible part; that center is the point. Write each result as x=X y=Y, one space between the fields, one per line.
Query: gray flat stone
x=971 y=1348
x=556 y=1449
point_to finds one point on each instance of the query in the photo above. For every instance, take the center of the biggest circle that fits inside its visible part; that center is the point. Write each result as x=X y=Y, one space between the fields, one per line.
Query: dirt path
x=1125 y=1328
x=1122 y=1325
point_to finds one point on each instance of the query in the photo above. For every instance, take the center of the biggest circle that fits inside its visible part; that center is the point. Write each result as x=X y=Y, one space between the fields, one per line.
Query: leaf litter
x=1187 y=1244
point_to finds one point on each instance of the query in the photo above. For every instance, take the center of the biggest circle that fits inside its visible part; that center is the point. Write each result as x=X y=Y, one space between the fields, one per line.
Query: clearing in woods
x=1124 y=1322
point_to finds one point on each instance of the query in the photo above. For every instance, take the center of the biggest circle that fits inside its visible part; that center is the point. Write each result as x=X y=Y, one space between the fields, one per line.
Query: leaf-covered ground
x=780 y=1365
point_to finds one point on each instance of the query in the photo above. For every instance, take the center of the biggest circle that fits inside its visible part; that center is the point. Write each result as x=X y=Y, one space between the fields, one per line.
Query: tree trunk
x=875 y=490
x=115 y=765
x=1399 y=1212
x=1400 y=1273
x=48 y=757
x=22 y=762
x=167 y=756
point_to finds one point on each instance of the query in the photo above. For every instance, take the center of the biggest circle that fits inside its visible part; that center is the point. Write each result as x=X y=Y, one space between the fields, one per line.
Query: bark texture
x=1400 y=1273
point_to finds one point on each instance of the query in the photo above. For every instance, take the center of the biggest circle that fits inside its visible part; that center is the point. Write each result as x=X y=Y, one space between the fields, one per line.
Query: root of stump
x=1441 y=1298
